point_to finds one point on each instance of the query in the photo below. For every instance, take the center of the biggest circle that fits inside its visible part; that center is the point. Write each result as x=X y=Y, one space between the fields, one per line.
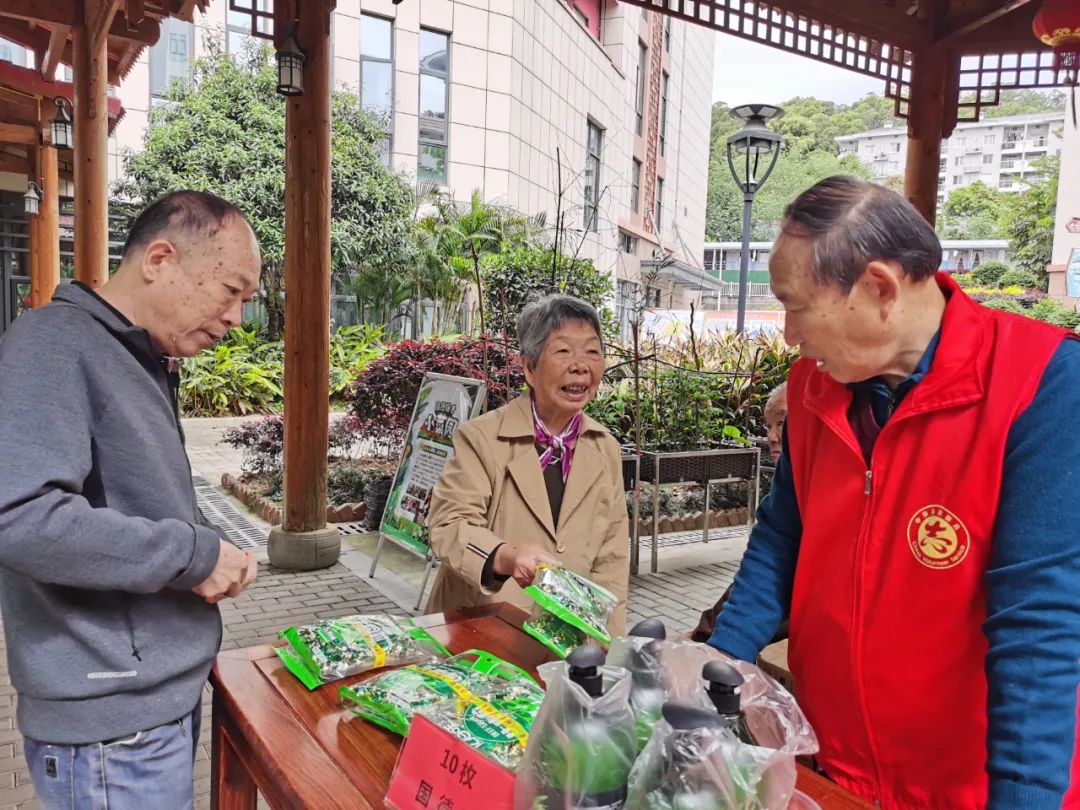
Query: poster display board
x=442 y=404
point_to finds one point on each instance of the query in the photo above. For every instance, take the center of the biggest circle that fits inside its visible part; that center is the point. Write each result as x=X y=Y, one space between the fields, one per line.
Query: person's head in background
x=775 y=414
x=190 y=262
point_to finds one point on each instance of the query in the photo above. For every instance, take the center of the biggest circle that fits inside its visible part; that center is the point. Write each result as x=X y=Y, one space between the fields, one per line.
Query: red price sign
x=437 y=771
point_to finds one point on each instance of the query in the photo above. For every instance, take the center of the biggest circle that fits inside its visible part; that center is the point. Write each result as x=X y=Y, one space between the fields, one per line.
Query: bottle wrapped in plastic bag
x=582 y=745
x=486 y=702
x=333 y=649
x=766 y=714
x=575 y=600
x=640 y=652
x=694 y=762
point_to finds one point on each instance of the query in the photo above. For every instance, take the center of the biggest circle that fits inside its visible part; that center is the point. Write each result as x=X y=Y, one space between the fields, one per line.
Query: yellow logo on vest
x=937 y=537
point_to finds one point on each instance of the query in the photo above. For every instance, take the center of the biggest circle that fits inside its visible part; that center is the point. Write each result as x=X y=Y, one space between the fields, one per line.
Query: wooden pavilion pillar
x=90 y=69
x=33 y=222
x=304 y=541
x=45 y=273
x=926 y=127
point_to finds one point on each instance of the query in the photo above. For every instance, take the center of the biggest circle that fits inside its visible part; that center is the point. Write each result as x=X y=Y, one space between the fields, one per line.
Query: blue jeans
x=152 y=768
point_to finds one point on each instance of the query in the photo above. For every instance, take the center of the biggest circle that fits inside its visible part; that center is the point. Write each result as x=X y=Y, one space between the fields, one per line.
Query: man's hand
x=520 y=562
x=235 y=570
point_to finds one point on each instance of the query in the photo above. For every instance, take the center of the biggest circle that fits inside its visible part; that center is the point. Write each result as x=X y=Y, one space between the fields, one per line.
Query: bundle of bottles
x=658 y=725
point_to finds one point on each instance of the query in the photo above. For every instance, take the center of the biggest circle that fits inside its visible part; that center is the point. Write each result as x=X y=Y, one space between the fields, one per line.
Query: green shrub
x=989 y=273
x=686 y=409
x=1005 y=305
x=352 y=348
x=236 y=377
x=1056 y=313
x=243 y=374
x=1019 y=278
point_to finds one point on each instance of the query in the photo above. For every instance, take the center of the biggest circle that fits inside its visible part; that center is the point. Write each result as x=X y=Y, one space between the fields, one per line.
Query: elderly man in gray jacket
x=109 y=573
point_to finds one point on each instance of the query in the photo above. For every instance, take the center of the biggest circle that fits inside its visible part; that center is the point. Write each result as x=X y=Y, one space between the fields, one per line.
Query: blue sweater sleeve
x=761 y=597
x=1033 y=599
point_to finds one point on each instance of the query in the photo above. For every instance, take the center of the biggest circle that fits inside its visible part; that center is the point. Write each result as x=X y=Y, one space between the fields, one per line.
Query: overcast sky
x=749 y=73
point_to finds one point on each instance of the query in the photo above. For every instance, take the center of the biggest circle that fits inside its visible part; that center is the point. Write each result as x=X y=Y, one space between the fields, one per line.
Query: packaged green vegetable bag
x=482 y=700
x=333 y=649
x=577 y=601
x=558 y=636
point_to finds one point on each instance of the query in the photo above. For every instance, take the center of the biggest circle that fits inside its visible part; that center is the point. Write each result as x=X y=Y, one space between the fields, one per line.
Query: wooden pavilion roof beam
x=972 y=16
x=50 y=60
x=18 y=133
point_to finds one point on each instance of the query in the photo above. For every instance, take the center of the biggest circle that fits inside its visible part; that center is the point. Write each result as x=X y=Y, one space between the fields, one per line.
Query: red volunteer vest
x=886 y=647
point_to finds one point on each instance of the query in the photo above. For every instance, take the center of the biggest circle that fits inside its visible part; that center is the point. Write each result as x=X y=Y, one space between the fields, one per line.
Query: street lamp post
x=755 y=148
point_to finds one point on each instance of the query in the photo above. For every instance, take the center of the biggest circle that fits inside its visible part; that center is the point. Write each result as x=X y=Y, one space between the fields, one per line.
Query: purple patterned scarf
x=559 y=448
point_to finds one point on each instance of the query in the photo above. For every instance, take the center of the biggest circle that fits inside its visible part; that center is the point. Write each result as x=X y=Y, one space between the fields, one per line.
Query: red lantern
x=1057 y=24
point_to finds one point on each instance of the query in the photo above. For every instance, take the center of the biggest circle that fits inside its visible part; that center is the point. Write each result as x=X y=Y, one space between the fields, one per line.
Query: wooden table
x=301 y=749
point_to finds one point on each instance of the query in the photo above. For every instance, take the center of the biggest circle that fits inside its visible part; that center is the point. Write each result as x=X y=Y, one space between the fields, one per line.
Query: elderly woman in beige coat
x=536 y=480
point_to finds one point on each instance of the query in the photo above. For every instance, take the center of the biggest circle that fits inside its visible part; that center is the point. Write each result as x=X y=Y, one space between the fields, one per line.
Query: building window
x=652 y=296
x=959 y=161
x=434 y=100
x=592 y=176
x=238 y=36
x=625 y=295
x=627 y=243
x=957 y=179
x=171 y=56
x=659 y=203
x=635 y=187
x=377 y=75
x=988 y=159
x=16 y=54
x=639 y=87
x=710 y=262
x=588 y=13
x=896 y=147
x=667 y=34
x=663 y=112
x=989 y=139
x=1006 y=182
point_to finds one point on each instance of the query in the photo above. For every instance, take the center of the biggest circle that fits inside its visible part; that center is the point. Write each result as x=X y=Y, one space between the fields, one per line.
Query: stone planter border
x=271 y=512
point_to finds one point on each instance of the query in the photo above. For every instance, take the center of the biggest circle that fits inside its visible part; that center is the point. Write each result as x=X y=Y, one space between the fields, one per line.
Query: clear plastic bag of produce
x=581 y=747
x=574 y=599
x=479 y=698
x=332 y=649
x=771 y=714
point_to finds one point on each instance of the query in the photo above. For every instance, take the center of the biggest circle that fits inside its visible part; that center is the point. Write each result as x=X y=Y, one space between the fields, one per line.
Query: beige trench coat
x=492 y=491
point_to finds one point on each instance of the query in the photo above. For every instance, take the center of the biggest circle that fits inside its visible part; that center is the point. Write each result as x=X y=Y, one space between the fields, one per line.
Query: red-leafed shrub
x=383 y=395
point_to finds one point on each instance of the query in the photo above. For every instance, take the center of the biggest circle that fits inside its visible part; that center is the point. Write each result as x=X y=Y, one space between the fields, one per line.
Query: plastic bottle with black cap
x=724 y=686
x=686 y=751
x=587 y=761
x=647 y=694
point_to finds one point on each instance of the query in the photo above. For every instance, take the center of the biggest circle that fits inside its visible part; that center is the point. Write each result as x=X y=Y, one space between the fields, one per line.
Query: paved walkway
x=691 y=578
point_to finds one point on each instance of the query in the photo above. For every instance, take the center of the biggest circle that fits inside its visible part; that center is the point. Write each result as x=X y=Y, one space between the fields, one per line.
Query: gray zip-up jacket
x=101 y=540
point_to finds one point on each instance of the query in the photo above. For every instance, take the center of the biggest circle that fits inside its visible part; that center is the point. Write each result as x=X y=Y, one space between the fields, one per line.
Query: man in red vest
x=923 y=527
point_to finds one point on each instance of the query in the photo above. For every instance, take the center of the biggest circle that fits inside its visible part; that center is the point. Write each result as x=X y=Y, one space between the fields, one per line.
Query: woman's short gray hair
x=540 y=318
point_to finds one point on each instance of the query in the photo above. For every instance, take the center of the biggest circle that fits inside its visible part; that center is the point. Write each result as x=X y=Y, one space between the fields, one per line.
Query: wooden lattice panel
x=983 y=77
x=821 y=34
x=797 y=33
x=261 y=13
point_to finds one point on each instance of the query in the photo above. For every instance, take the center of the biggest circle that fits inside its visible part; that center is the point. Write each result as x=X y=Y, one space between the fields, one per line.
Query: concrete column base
x=304 y=551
